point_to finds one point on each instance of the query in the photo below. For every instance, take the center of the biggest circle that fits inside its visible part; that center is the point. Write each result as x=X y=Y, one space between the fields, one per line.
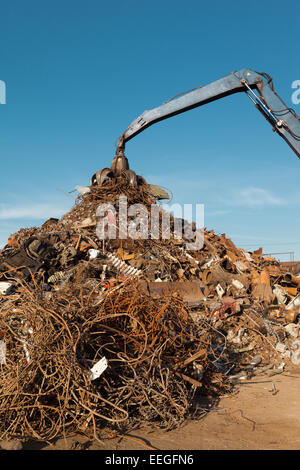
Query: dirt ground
x=262 y=416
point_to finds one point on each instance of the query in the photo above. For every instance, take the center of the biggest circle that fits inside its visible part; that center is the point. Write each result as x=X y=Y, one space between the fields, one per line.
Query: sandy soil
x=262 y=416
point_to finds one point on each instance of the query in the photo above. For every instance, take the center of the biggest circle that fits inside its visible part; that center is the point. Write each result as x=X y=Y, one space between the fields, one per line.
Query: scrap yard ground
x=257 y=418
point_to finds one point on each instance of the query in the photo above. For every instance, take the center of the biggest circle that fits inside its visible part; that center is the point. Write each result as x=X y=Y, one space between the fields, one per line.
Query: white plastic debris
x=103 y=274
x=280 y=347
x=2 y=353
x=255 y=361
x=294 y=303
x=5 y=288
x=237 y=284
x=190 y=257
x=98 y=368
x=247 y=256
x=292 y=330
x=220 y=290
x=295 y=355
x=230 y=336
x=88 y=222
x=240 y=266
x=82 y=189
x=280 y=293
x=295 y=344
x=239 y=337
x=93 y=254
x=27 y=355
x=211 y=261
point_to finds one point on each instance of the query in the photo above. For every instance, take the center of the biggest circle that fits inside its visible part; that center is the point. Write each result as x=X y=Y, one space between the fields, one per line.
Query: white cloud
x=256 y=197
x=15 y=216
x=31 y=211
x=218 y=212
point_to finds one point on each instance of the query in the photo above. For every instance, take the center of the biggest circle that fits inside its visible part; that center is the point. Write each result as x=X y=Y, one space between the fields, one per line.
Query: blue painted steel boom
x=259 y=88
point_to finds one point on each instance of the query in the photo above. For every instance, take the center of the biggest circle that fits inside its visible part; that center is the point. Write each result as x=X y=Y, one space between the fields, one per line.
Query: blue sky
x=77 y=73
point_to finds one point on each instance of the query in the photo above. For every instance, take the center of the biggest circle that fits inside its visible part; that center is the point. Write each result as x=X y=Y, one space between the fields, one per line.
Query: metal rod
x=269 y=111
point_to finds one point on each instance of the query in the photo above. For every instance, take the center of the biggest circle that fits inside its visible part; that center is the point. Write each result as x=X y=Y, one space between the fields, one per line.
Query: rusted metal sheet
x=190 y=291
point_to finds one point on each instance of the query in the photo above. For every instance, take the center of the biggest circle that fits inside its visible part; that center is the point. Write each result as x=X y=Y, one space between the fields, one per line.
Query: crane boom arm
x=259 y=88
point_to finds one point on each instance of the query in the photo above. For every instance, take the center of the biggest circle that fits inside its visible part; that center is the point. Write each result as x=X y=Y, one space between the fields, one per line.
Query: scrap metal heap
x=119 y=333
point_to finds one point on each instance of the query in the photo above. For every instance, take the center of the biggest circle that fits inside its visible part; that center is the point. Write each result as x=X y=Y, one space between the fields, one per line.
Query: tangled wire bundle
x=46 y=388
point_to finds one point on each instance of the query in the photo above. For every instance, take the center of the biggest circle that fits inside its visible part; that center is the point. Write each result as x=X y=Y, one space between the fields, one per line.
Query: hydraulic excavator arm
x=258 y=87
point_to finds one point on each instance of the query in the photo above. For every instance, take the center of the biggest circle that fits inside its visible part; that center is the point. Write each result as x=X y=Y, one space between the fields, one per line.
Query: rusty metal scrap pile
x=123 y=333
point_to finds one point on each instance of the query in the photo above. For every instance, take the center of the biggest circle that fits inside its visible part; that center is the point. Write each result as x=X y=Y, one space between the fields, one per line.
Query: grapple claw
x=101 y=175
